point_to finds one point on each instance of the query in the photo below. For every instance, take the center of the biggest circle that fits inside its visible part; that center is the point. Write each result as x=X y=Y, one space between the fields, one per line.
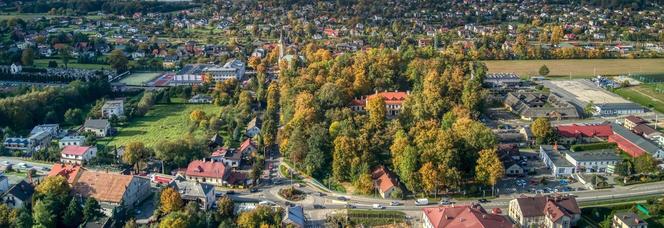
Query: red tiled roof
x=391 y=98
x=245 y=145
x=70 y=172
x=209 y=169
x=464 y=216
x=570 y=131
x=626 y=145
x=552 y=206
x=644 y=129
x=384 y=180
x=75 y=150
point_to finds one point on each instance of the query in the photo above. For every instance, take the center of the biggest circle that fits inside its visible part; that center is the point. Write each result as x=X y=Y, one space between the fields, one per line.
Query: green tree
x=175 y=220
x=118 y=60
x=544 y=70
x=74 y=116
x=74 y=213
x=24 y=219
x=645 y=164
x=28 y=56
x=5 y=216
x=91 y=209
x=65 y=54
x=43 y=214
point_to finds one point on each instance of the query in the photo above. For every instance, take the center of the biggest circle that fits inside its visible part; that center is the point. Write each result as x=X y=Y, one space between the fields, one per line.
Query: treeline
x=39 y=78
x=106 y=6
x=49 y=104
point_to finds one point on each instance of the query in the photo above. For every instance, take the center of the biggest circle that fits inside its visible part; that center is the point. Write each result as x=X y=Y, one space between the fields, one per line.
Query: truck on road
x=421 y=202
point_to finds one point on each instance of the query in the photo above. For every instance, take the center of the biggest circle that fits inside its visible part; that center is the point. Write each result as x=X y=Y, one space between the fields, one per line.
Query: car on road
x=318 y=206
x=348 y=205
x=23 y=165
x=267 y=203
x=483 y=200
x=394 y=203
x=6 y=163
x=377 y=206
x=445 y=202
x=253 y=190
x=342 y=198
x=231 y=192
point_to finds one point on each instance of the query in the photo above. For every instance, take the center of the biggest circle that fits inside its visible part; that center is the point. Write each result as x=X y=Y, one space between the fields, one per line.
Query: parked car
x=394 y=203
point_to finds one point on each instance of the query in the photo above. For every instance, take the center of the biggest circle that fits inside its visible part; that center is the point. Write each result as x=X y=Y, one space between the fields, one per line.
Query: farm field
x=645 y=95
x=140 y=78
x=162 y=122
x=577 y=67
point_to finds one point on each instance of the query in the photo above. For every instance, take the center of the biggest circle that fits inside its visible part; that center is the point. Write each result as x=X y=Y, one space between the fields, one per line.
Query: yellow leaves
x=364 y=184
x=489 y=168
x=170 y=200
x=541 y=127
x=376 y=110
x=54 y=185
x=197 y=115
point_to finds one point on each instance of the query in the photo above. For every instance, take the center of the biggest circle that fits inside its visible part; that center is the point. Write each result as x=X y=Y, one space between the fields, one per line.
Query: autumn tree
x=645 y=164
x=174 y=220
x=343 y=154
x=364 y=184
x=197 y=115
x=170 y=200
x=261 y=216
x=225 y=207
x=54 y=185
x=489 y=169
x=541 y=129
x=376 y=110
x=135 y=153
x=556 y=35
x=430 y=177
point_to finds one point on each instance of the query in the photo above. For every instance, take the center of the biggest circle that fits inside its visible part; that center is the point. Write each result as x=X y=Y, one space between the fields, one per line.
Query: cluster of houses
x=524 y=211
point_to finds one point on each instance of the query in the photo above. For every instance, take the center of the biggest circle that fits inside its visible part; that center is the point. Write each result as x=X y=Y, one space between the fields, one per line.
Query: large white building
x=233 y=69
x=112 y=108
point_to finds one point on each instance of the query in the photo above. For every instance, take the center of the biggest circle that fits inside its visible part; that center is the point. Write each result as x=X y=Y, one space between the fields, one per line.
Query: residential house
x=112 y=189
x=575 y=134
x=593 y=160
x=628 y=219
x=191 y=191
x=294 y=217
x=554 y=160
x=253 y=127
x=647 y=131
x=77 y=154
x=40 y=137
x=467 y=216
x=112 y=108
x=544 y=211
x=393 y=102
x=200 y=99
x=229 y=156
x=633 y=144
x=70 y=171
x=509 y=155
x=100 y=127
x=19 y=195
x=248 y=147
x=632 y=121
x=384 y=182
x=210 y=172
x=533 y=105
x=78 y=140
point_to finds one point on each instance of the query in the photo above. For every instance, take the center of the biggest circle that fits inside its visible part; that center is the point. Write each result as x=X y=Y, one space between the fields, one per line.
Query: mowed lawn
x=140 y=78
x=577 y=67
x=162 y=122
x=645 y=95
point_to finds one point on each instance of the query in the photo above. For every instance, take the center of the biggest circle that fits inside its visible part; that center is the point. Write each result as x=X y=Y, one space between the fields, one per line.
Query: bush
x=593 y=146
x=292 y=194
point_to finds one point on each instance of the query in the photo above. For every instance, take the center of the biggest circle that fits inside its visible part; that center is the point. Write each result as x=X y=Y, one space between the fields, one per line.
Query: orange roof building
x=393 y=102
x=384 y=182
x=71 y=172
x=463 y=216
x=112 y=188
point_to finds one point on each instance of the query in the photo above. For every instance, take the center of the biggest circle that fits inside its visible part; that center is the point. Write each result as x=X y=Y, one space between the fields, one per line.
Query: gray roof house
x=100 y=127
x=19 y=195
x=201 y=193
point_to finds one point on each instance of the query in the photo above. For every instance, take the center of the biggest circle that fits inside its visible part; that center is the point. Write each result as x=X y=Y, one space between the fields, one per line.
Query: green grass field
x=645 y=95
x=162 y=122
x=43 y=63
x=140 y=78
x=577 y=67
